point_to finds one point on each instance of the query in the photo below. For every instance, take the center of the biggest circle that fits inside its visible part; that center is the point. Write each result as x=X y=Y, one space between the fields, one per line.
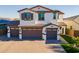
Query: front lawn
x=69 y=48
x=69 y=39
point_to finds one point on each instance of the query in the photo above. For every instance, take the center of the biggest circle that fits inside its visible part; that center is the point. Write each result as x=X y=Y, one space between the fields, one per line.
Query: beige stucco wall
x=74 y=25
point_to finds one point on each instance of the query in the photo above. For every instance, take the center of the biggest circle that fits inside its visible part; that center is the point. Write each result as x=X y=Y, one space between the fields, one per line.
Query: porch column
x=58 y=34
x=20 y=33
x=8 y=32
x=60 y=30
x=64 y=30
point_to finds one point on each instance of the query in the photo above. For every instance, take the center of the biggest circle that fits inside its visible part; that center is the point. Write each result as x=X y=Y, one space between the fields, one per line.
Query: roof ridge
x=72 y=16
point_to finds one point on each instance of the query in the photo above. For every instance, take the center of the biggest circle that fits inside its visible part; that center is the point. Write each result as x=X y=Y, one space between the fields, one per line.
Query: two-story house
x=37 y=23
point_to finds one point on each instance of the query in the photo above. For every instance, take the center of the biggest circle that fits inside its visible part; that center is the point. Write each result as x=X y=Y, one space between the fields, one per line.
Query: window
x=27 y=16
x=70 y=27
x=41 y=16
x=54 y=15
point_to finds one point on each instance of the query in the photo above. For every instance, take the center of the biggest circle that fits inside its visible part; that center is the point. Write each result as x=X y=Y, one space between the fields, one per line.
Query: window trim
x=26 y=18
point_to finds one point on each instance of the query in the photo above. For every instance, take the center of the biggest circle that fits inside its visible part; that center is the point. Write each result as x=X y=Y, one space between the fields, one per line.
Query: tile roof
x=61 y=24
x=71 y=18
x=50 y=24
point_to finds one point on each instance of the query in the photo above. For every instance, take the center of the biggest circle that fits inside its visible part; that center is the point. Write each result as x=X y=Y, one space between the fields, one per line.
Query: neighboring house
x=3 y=26
x=4 y=22
x=38 y=23
x=73 y=24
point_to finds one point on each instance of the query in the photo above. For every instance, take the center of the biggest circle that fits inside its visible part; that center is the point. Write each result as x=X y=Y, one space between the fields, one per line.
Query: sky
x=10 y=11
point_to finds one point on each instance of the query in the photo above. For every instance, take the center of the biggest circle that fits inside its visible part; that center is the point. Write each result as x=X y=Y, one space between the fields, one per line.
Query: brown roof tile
x=61 y=24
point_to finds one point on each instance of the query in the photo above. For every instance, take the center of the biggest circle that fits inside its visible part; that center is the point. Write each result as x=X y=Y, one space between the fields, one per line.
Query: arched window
x=27 y=16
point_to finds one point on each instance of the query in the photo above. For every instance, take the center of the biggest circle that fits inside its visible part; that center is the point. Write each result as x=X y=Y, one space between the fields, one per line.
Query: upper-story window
x=27 y=16
x=55 y=16
x=41 y=16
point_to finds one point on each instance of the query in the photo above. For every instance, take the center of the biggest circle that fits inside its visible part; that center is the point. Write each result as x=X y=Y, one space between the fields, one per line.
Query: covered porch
x=62 y=28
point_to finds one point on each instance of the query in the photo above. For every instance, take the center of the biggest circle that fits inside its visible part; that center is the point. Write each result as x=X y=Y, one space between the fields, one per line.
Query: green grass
x=69 y=39
x=69 y=48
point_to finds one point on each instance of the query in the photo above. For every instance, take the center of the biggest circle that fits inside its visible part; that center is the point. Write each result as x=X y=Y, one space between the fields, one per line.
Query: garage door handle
x=43 y=33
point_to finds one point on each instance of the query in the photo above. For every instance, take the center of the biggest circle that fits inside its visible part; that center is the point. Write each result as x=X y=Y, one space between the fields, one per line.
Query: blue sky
x=11 y=10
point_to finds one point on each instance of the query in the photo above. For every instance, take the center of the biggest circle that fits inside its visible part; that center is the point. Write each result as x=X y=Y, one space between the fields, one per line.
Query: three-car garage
x=35 y=33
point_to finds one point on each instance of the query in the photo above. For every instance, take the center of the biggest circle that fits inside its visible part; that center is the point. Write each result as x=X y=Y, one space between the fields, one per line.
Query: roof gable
x=50 y=24
x=41 y=8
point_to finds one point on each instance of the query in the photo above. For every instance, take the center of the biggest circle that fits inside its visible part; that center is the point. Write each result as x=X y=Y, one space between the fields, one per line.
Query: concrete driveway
x=29 y=47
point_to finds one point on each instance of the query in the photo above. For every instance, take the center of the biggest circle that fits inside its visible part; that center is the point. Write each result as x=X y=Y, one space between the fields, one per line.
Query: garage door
x=31 y=34
x=14 y=32
x=51 y=35
x=3 y=29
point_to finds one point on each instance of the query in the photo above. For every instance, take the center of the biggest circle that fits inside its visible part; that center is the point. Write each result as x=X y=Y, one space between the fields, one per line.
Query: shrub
x=69 y=39
x=69 y=48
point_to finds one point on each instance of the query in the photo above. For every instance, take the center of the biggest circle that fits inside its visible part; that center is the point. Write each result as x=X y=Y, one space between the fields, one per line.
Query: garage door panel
x=32 y=34
x=51 y=33
x=14 y=32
